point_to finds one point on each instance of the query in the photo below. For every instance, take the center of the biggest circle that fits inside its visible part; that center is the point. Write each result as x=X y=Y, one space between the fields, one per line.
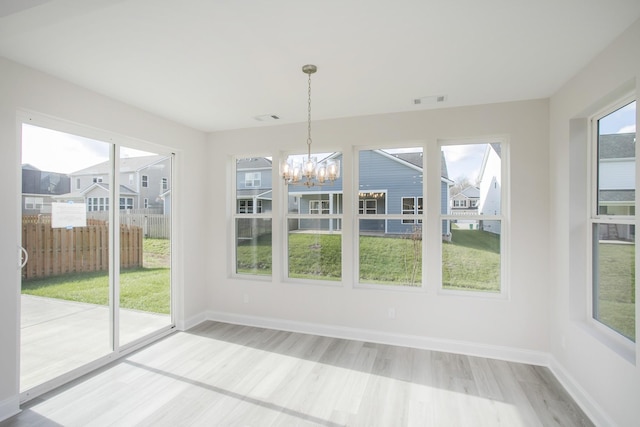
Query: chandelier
x=309 y=172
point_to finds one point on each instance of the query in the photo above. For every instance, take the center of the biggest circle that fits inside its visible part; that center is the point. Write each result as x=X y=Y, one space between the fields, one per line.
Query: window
x=252 y=179
x=126 y=203
x=252 y=218
x=367 y=206
x=145 y=180
x=33 y=203
x=389 y=232
x=314 y=224
x=245 y=206
x=78 y=185
x=97 y=179
x=471 y=241
x=95 y=204
x=412 y=206
x=319 y=207
x=164 y=184
x=612 y=221
x=146 y=203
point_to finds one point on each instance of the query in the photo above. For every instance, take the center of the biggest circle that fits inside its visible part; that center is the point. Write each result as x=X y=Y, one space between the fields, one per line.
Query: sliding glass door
x=145 y=242
x=96 y=236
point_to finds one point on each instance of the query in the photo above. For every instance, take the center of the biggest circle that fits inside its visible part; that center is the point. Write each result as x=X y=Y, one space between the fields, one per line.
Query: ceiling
x=217 y=64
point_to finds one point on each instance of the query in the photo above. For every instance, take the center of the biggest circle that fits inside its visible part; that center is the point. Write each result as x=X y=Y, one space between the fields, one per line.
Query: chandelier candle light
x=310 y=173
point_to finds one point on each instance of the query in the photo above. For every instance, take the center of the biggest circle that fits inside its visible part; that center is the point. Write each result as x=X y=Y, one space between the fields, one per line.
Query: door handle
x=23 y=257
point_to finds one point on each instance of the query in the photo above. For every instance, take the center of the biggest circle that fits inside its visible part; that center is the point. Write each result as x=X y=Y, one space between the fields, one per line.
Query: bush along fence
x=55 y=251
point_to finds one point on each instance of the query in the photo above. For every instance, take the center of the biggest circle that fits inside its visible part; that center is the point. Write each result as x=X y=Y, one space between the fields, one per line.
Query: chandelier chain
x=309 y=118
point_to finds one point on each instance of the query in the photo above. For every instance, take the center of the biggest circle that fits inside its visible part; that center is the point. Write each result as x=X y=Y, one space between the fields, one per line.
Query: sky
x=55 y=151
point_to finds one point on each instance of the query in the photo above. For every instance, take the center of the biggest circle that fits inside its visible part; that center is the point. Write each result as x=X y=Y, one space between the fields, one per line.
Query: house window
x=367 y=206
x=146 y=203
x=471 y=245
x=314 y=241
x=97 y=179
x=252 y=219
x=319 y=207
x=95 y=204
x=612 y=219
x=252 y=179
x=164 y=184
x=126 y=203
x=33 y=203
x=412 y=206
x=78 y=187
x=245 y=206
x=145 y=180
x=389 y=233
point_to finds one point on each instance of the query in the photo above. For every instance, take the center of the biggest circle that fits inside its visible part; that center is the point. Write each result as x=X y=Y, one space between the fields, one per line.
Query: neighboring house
x=466 y=201
x=490 y=187
x=617 y=182
x=39 y=188
x=145 y=183
x=253 y=185
x=389 y=184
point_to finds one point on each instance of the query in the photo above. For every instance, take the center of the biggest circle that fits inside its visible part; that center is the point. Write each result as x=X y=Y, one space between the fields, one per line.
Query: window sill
x=612 y=340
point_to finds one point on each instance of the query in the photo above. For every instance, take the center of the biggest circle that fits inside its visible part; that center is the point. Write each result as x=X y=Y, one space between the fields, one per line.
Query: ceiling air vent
x=267 y=118
x=432 y=99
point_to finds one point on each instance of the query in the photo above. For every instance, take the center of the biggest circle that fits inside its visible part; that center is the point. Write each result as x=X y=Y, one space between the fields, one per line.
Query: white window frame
x=620 y=342
x=364 y=209
x=78 y=184
x=144 y=181
x=503 y=217
x=319 y=207
x=97 y=179
x=235 y=214
x=417 y=210
x=128 y=203
x=252 y=179
x=33 y=203
x=386 y=217
x=146 y=203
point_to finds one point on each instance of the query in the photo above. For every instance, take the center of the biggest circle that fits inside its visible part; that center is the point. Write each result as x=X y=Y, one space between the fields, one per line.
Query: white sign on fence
x=68 y=215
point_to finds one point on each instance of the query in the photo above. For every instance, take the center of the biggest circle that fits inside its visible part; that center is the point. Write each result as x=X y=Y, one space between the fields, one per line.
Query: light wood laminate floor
x=219 y=374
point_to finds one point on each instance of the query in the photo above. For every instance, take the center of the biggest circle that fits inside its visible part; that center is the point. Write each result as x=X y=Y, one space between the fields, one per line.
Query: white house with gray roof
x=145 y=183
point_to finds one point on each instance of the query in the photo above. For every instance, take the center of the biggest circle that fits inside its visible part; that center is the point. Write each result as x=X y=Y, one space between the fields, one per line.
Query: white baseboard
x=9 y=407
x=191 y=322
x=436 y=344
x=582 y=398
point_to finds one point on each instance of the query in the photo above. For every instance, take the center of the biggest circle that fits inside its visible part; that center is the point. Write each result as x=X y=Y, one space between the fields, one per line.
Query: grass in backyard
x=254 y=256
x=471 y=261
x=616 y=287
x=145 y=289
x=389 y=260
x=314 y=256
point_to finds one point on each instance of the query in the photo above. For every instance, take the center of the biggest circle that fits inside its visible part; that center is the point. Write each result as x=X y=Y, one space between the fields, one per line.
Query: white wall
x=519 y=323
x=24 y=88
x=606 y=381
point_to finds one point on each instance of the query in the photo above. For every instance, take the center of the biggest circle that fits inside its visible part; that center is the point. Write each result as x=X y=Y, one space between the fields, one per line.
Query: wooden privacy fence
x=54 y=251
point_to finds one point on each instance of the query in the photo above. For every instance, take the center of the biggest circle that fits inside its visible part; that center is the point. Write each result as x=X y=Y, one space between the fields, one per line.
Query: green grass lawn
x=471 y=261
x=146 y=289
x=616 y=295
